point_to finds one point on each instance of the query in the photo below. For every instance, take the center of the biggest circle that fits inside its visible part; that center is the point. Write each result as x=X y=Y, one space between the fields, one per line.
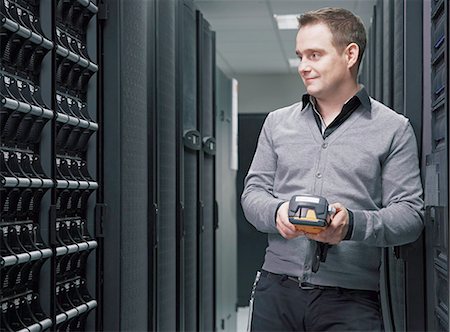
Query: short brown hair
x=345 y=27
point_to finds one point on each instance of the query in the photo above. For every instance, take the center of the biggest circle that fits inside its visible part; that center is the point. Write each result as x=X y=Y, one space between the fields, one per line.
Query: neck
x=331 y=105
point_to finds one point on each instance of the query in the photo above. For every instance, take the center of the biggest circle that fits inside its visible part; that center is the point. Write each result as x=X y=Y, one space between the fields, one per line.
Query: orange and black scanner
x=310 y=213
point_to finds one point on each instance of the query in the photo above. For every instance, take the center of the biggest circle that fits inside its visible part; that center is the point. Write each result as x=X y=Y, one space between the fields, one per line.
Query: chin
x=313 y=91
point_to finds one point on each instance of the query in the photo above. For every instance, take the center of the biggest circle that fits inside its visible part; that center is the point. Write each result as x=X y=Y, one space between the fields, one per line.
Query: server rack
x=152 y=148
x=408 y=261
x=107 y=180
x=388 y=46
x=378 y=50
x=127 y=32
x=152 y=157
x=190 y=145
x=166 y=165
x=72 y=217
x=25 y=247
x=436 y=183
x=48 y=168
x=206 y=182
x=392 y=76
x=398 y=56
x=394 y=33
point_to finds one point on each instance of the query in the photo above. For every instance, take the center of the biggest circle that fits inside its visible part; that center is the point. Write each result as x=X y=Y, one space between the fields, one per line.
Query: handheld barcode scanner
x=309 y=213
x=312 y=214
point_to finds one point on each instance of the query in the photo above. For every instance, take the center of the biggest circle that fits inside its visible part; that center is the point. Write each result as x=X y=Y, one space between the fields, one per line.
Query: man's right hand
x=284 y=226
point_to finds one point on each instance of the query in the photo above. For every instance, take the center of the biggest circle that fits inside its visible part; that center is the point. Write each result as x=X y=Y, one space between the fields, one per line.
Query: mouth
x=309 y=79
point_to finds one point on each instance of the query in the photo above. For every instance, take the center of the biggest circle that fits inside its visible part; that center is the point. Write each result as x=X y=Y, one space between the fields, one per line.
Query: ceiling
x=247 y=38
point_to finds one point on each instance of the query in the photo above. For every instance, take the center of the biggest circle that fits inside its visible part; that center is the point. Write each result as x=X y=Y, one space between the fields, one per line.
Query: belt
x=295 y=282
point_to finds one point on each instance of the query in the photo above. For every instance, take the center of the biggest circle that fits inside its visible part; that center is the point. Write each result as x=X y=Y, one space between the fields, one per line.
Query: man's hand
x=284 y=226
x=337 y=229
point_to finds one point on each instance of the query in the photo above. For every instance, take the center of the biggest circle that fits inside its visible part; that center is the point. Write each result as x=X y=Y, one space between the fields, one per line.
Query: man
x=349 y=148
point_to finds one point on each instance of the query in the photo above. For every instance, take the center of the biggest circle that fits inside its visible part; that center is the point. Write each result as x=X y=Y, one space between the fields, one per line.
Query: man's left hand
x=336 y=230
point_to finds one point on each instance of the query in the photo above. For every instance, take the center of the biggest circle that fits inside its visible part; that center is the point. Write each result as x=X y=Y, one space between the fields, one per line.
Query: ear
x=351 y=54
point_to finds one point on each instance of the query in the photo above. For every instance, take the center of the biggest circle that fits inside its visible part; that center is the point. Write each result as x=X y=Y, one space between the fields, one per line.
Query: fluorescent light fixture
x=287 y=22
x=294 y=63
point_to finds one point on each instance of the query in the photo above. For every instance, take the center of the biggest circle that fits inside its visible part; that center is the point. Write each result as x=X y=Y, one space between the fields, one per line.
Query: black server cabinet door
x=191 y=144
x=436 y=183
x=398 y=55
x=127 y=112
x=166 y=165
x=388 y=39
x=379 y=72
x=206 y=175
x=396 y=31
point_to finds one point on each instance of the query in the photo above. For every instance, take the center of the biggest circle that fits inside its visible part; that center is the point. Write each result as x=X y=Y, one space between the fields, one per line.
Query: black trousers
x=279 y=304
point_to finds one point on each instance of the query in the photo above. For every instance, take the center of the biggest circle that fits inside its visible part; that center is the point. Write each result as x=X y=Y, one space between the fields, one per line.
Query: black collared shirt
x=360 y=98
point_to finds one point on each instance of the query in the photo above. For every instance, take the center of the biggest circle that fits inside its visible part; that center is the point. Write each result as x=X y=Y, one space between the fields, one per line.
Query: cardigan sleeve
x=258 y=201
x=400 y=220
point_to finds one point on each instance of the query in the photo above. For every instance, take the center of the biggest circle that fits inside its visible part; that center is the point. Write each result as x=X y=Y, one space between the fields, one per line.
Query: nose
x=303 y=67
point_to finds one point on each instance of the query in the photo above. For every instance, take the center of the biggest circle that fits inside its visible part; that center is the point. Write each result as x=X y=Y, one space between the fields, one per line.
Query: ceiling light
x=294 y=63
x=287 y=22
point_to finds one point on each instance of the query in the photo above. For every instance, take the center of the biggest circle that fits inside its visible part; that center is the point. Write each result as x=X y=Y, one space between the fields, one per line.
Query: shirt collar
x=362 y=95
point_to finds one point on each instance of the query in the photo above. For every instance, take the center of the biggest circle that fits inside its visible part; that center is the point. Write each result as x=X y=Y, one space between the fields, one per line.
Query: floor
x=242 y=318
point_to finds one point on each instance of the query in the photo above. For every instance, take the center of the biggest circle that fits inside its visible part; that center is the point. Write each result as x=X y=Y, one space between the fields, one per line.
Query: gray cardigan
x=369 y=164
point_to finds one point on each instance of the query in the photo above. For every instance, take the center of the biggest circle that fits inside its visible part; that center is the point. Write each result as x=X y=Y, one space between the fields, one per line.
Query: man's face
x=323 y=68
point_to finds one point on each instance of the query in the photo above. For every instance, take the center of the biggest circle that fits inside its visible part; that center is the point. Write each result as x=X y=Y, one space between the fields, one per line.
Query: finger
x=315 y=237
x=324 y=236
x=337 y=206
x=311 y=236
x=286 y=230
x=288 y=234
x=283 y=234
x=339 y=223
x=284 y=220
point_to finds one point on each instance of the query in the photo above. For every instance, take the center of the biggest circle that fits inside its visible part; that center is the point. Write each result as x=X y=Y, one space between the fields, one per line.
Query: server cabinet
x=206 y=169
x=154 y=160
x=48 y=168
x=395 y=31
x=436 y=183
x=398 y=55
x=390 y=41
x=127 y=30
x=407 y=263
x=72 y=218
x=24 y=181
x=166 y=174
x=378 y=50
x=393 y=90
x=190 y=144
x=388 y=47
x=107 y=170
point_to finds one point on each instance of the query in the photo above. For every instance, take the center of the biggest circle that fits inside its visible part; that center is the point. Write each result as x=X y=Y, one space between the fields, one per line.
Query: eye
x=315 y=56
